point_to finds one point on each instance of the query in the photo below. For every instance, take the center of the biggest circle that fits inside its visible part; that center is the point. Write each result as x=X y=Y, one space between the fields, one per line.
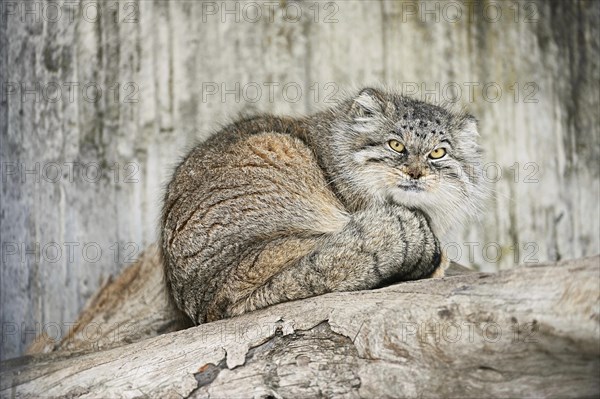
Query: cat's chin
x=412 y=197
x=444 y=220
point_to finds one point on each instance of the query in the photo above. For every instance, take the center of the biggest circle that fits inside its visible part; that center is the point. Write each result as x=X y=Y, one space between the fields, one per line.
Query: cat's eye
x=437 y=153
x=396 y=145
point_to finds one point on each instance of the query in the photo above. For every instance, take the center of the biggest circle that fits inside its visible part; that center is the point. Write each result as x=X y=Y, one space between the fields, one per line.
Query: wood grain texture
x=166 y=56
x=526 y=332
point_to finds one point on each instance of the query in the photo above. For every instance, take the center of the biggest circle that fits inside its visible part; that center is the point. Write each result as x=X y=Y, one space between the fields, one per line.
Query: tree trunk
x=529 y=331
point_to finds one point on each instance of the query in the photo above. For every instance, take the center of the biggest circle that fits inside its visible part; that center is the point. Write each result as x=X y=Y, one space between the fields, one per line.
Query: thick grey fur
x=273 y=209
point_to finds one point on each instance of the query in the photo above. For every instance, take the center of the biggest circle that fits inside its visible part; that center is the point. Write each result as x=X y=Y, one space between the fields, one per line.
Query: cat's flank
x=273 y=209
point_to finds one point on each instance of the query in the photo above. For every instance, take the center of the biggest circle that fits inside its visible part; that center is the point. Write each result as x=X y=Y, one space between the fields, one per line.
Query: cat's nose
x=415 y=173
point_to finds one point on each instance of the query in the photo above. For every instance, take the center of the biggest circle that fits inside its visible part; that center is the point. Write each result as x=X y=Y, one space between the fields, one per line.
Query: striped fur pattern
x=273 y=209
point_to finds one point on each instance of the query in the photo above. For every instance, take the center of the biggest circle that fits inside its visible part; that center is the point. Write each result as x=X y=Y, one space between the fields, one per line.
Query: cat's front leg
x=377 y=247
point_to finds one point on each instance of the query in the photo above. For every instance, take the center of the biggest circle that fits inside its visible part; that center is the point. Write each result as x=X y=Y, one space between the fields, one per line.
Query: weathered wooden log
x=530 y=331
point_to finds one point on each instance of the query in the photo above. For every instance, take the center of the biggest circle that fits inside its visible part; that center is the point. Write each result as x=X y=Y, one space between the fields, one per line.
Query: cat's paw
x=441 y=269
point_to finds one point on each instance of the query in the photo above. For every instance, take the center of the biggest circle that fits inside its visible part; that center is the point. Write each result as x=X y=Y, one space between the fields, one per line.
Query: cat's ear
x=469 y=126
x=367 y=103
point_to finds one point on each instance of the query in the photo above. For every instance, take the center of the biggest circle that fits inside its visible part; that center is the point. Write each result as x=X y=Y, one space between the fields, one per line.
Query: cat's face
x=413 y=153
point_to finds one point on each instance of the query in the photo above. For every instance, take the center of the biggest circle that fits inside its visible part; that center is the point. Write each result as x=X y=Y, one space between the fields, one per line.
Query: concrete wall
x=82 y=170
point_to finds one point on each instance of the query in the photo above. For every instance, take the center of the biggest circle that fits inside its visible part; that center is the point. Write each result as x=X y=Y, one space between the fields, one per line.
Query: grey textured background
x=165 y=59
